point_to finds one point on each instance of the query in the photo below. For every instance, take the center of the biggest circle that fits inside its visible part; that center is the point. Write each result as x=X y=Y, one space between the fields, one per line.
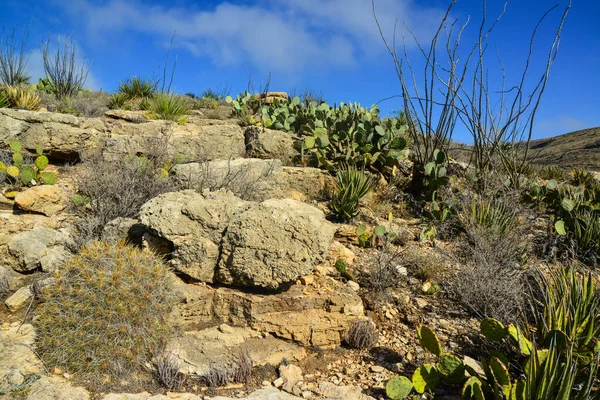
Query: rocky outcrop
x=273 y=243
x=17 y=360
x=64 y=136
x=219 y=237
x=40 y=247
x=312 y=315
x=197 y=351
x=312 y=182
x=269 y=144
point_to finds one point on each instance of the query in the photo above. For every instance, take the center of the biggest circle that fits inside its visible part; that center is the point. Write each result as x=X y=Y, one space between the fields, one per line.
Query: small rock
x=421 y=303
x=278 y=382
x=45 y=199
x=19 y=299
x=291 y=374
x=377 y=368
x=307 y=280
x=266 y=383
x=307 y=394
x=353 y=285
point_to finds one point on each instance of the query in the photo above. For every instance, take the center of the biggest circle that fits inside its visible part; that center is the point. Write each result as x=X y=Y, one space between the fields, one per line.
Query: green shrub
x=118 y=100
x=352 y=185
x=169 y=107
x=491 y=214
x=106 y=314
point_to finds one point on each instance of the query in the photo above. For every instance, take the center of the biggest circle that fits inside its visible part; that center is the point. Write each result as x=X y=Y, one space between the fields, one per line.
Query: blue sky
x=328 y=46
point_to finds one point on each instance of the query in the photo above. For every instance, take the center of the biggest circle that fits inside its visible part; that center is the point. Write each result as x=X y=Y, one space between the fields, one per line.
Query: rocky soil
x=255 y=275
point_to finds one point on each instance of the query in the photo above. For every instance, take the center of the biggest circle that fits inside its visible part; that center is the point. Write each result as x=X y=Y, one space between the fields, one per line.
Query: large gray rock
x=17 y=360
x=270 y=144
x=39 y=247
x=188 y=227
x=274 y=243
x=56 y=388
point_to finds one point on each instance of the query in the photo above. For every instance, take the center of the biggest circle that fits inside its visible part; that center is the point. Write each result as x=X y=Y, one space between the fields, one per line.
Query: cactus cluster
x=557 y=371
x=374 y=237
x=575 y=210
x=332 y=136
x=27 y=175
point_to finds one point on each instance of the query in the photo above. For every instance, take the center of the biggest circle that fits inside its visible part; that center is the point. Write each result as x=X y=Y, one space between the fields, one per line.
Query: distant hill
x=579 y=149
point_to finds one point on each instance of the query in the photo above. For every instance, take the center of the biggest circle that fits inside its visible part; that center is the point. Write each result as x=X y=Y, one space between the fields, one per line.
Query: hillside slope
x=579 y=149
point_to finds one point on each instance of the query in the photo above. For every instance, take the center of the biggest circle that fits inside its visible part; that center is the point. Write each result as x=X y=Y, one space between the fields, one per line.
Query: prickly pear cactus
x=429 y=340
x=41 y=163
x=2 y=168
x=13 y=171
x=473 y=389
x=501 y=376
x=27 y=175
x=398 y=388
x=17 y=159
x=15 y=146
x=492 y=329
x=451 y=368
x=425 y=378
x=48 y=178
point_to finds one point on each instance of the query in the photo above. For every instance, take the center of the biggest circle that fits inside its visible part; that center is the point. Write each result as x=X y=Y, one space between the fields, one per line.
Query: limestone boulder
x=40 y=247
x=45 y=199
x=269 y=144
x=273 y=243
x=187 y=227
x=17 y=361
x=313 y=182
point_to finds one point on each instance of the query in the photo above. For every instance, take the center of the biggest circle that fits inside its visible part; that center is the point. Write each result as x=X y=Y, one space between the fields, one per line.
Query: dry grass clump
x=106 y=314
x=238 y=370
x=384 y=270
x=491 y=281
x=424 y=263
x=167 y=371
x=362 y=334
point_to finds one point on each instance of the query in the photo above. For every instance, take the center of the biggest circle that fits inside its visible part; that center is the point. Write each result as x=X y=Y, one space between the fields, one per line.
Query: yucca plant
x=553 y=172
x=22 y=97
x=352 y=185
x=118 y=100
x=490 y=214
x=136 y=88
x=3 y=98
x=169 y=107
x=582 y=177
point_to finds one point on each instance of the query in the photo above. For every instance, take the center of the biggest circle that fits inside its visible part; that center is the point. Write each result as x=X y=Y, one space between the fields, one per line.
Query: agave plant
x=136 y=88
x=22 y=97
x=352 y=185
x=169 y=107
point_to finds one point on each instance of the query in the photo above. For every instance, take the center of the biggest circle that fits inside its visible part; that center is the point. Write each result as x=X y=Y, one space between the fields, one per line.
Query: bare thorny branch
x=494 y=118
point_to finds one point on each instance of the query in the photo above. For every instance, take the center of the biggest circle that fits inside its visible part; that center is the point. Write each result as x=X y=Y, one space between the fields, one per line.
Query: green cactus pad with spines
x=48 y=178
x=162 y=173
x=398 y=388
x=80 y=200
x=15 y=146
x=501 y=376
x=425 y=378
x=522 y=342
x=2 y=167
x=492 y=329
x=12 y=171
x=11 y=195
x=473 y=389
x=17 y=159
x=518 y=390
x=451 y=368
x=429 y=340
x=27 y=174
x=39 y=150
x=41 y=163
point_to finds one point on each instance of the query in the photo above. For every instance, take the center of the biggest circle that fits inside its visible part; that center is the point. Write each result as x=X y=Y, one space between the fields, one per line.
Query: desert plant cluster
x=498 y=240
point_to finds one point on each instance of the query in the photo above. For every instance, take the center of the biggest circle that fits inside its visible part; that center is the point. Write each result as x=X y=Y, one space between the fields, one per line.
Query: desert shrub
x=110 y=189
x=424 y=263
x=362 y=334
x=245 y=181
x=491 y=214
x=67 y=75
x=22 y=97
x=85 y=104
x=13 y=59
x=106 y=314
x=169 y=107
x=167 y=367
x=351 y=186
x=383 y=270
x=242 y=366
x=490 y=283
x=553 y=172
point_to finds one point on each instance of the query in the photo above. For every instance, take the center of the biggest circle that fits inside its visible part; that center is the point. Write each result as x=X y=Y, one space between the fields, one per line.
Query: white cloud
x=283 y=35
